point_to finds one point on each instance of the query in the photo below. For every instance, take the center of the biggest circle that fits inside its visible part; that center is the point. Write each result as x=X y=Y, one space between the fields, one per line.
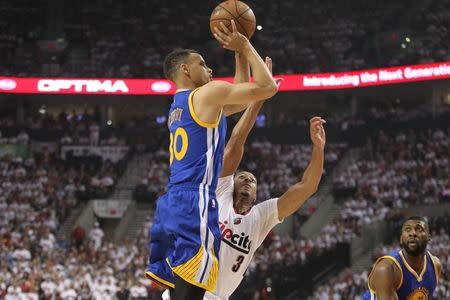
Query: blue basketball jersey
x=196 y=147
x=412 y=286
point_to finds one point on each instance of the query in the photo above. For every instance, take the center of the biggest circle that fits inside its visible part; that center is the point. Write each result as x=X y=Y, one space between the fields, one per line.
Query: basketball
x=235 y=10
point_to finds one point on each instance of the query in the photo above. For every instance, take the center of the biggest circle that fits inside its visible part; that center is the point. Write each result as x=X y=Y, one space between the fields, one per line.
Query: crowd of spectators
x=350 y=286
x=37 y=178
x=134 y=36
x=35 y=200
x=394 y=171
x=156 y=176
x=83 y=129
x=90 y=271
x=77 y=120
x=22 y=138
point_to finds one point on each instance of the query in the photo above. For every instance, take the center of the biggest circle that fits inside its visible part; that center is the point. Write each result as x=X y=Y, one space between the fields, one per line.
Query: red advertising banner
x=296 y=82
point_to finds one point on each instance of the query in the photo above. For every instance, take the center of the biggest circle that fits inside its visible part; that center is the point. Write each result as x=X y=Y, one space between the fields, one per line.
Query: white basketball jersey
x=241 y=236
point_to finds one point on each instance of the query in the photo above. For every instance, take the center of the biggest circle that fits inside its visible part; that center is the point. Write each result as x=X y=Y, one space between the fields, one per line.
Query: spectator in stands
x=96 y=235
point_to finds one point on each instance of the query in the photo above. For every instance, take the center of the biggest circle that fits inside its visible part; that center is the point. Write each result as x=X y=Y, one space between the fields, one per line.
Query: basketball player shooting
x=185 y=233
x=244 y=225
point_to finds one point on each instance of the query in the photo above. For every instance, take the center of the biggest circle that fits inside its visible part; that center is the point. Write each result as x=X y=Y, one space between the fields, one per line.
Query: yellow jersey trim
x=412 y=271
x=196 y=118
x=437 y=269
x=373 y=268
x=158 y=280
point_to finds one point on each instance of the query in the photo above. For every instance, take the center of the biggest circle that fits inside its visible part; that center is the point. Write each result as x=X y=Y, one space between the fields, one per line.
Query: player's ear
x=184 y=69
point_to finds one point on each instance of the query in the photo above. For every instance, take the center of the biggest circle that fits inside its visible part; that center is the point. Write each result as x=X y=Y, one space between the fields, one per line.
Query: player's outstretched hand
x=230 y=39
x=317 y=132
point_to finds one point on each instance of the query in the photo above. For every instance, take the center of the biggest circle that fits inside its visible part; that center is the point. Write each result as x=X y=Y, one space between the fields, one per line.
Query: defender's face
x=414 y=237
x=197 y=70
x=245 y=188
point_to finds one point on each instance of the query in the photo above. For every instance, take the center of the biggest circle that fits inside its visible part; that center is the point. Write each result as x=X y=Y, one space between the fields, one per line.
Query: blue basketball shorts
x=185 y=238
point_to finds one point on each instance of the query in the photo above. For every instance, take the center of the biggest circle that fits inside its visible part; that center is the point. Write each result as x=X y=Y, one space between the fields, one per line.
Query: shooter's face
x=197 y=70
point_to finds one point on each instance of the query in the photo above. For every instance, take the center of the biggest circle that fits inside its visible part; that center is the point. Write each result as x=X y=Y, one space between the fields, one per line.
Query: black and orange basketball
x=235 y=10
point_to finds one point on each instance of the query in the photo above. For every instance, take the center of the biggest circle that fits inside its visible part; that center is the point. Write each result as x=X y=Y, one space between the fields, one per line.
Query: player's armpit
x=222 y=93
x=383 y=280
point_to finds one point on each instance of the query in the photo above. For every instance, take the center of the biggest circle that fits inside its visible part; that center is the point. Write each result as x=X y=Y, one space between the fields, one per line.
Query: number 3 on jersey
x=238 y=263
x=180 y=133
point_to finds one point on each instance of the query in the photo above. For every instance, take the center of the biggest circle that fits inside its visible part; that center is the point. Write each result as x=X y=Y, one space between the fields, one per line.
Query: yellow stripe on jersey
x=158 y=280
x=373 y=268
x=437 y=269
x=196 y=118
x=190 y=269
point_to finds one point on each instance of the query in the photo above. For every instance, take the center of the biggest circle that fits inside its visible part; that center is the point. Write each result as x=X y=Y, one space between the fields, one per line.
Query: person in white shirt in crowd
x=138 y=291
x=69 y=293
x=244 y=225
x=96 y=235
x=48 y=286
x=13 y=292
x=48 y=242
x=107 y=181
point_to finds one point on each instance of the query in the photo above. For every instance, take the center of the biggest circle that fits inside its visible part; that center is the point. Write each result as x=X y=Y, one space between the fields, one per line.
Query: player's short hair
x=173 y=61
x=418 y=218
x=240 y=172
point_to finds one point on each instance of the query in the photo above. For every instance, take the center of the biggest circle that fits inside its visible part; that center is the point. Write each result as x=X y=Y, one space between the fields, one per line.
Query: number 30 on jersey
x=180 y=134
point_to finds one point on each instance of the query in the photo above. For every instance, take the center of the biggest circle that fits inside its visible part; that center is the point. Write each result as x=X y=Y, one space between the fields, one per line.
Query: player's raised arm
x=297 y=194
x=223 y=93
x=242 y=74
x=234 y=149
x=384 y=280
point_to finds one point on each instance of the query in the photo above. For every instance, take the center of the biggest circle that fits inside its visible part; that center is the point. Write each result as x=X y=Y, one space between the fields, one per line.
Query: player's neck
x=415 y=262
x=242 y=210
x=185 y=85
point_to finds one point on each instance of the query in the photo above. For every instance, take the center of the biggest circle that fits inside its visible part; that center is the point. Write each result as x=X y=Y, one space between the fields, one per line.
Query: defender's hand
x=317 y=132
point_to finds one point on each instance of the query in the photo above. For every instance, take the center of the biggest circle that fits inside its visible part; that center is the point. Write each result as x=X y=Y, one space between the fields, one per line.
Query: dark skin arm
x=385 y=279
x=297 y=194
x=234 y=149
